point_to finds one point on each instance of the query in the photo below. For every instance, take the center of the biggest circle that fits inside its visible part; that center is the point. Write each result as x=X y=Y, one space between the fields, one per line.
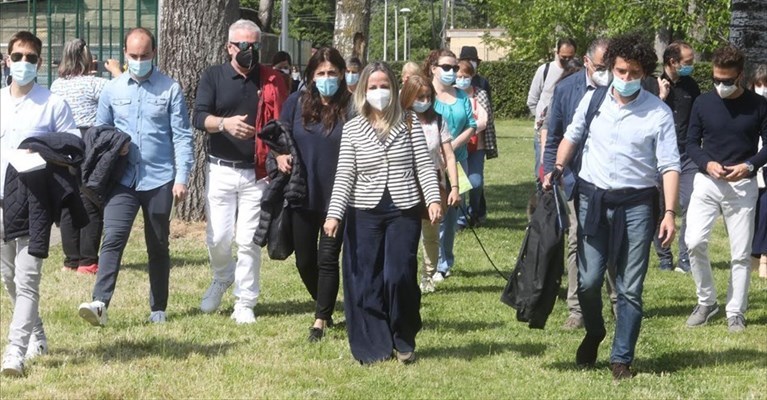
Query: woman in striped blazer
x=383 y=172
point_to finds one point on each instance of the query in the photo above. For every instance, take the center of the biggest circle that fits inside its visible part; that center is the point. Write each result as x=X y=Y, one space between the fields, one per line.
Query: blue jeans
x=537 y=149
x=447 y=229
x=475 y=170
x=632 y=261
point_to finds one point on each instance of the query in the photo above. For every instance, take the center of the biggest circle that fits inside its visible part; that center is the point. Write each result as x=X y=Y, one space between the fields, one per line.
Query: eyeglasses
x=246 y=45
x=31 y=58
x=448 y=67
x=725 y=82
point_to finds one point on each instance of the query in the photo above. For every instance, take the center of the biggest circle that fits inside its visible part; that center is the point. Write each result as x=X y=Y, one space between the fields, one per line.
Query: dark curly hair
x=313 y=110
x=729 y=56
x=632 y=47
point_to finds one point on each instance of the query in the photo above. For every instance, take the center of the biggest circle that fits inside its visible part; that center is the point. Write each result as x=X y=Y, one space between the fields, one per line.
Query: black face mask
x=247 y=59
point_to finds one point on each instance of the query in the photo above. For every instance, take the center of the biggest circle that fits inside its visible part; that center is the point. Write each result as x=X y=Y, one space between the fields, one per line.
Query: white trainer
x=94 y=312
x=37 y=347
x=13 y=366
x=438 y=277
x=211 y=300
x=243 y=315
x=157 y=317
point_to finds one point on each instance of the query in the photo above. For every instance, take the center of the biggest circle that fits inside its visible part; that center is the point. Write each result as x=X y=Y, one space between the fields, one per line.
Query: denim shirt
x=627 y=146
x=154 y=113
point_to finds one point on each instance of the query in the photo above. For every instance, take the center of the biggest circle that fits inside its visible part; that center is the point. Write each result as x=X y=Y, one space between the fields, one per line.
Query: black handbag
x=280 y=245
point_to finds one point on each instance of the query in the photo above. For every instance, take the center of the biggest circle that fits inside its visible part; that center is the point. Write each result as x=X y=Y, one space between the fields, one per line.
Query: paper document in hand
x=464 y=185
x=24 y=161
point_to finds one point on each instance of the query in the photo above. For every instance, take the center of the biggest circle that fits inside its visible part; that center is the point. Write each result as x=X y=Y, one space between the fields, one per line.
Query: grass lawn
x=471 y=346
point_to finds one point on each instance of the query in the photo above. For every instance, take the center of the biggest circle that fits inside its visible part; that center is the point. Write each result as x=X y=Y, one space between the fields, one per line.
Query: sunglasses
x=447 y=67
x=725 y=82
x=246 y=45
x=31 y=58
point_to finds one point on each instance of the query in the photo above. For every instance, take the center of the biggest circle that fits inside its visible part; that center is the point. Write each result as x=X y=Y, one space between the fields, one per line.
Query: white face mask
x=378 y=98
x=285 y=71
x=761 y=91
x=725 y=91
x=601 y=78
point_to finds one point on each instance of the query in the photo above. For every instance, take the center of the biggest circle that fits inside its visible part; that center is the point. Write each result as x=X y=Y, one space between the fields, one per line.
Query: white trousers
x=233 y=208
x=21 y=274
x=736 y=201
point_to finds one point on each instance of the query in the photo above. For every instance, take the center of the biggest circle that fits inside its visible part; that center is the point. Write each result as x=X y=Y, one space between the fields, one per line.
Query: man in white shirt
x=542 y=89
x=26 y=110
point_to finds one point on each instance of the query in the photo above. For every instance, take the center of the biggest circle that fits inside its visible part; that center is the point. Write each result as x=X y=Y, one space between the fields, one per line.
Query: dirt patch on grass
x=194 y=231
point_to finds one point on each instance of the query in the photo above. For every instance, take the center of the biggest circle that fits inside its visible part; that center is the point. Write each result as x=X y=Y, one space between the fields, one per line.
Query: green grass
x=471 y=345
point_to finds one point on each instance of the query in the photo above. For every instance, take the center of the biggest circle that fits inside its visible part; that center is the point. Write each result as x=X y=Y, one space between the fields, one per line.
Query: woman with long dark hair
x=316 y=117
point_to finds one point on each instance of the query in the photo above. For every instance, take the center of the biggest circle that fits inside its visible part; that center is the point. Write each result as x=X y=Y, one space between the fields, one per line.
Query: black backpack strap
x=596 y=101
x=546 y=72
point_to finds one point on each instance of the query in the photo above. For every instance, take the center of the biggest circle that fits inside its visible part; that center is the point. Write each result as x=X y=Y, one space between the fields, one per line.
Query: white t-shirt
x=37 y=113
x=435 y=137
x=82 y=94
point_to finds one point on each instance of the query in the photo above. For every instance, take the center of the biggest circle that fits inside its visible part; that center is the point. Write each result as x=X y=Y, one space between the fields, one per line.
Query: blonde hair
x=392 y=112
x=410 y=68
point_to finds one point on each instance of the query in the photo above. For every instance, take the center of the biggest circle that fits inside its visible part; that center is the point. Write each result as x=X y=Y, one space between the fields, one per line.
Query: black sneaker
x=586 y=356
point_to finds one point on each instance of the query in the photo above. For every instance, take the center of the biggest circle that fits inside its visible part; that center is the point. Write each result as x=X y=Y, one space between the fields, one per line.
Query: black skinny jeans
x=317 y=264
x=81 y=246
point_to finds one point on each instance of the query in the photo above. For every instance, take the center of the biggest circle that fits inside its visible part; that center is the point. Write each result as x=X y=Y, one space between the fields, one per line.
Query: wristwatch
x=221 y=125
x=749 y=166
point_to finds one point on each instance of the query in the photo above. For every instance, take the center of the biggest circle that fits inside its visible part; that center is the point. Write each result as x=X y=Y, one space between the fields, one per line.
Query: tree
x=264 y=13
x=747 y=29
x=192 y=37
x=352 y=28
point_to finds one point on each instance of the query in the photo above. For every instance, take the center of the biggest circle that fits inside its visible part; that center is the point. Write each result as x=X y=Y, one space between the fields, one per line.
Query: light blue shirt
x=153 y=112
x=627 y=146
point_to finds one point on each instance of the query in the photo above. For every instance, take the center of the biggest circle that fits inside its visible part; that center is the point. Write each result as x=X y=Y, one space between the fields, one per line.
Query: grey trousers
x=21 y=274
x=573 y=305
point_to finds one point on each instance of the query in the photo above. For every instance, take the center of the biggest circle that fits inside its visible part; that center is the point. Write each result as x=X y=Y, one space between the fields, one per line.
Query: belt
x=231 y=164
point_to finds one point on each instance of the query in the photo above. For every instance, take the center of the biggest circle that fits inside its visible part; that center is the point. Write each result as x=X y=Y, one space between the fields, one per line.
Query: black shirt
x=223 y=92
x=681 y=95
x=729 y=130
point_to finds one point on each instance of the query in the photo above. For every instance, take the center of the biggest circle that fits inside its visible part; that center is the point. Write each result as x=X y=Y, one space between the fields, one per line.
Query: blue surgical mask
x=686 y=70
x=421 y=106
x=463 y=83
x=139 y=69
x=352 y=78
x=626 y=88
x=447 y=77
x=327 y=85
x=23 y=72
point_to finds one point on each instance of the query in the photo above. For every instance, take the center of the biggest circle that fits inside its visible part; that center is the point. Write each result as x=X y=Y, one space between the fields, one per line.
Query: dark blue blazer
x=567 y=94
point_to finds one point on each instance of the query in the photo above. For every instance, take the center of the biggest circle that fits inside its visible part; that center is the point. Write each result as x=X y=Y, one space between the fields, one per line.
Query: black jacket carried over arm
x=283 y=187
x=33 y=201
x=103 y=166
x=534 y=284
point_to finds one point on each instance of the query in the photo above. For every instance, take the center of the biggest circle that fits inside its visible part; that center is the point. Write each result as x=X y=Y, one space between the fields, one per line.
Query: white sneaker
x=36 y=348
x=438 y=277
x=211 y=300
x=427 y=285
x=13 y=365
x=157 y=317
x=94 y=312
x=243 y=315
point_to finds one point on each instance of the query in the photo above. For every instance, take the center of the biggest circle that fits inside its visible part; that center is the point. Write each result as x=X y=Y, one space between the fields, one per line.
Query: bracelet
x=454 y=186
x=559 y=165
x=672 y=212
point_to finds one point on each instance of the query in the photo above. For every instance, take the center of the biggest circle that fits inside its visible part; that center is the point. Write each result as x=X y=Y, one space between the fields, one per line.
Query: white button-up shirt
x=627 y=146
x=35 y=114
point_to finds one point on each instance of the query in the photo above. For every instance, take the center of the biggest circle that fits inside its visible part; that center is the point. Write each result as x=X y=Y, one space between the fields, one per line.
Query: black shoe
x=621 y=371
x=586 y=356
x=316 y=334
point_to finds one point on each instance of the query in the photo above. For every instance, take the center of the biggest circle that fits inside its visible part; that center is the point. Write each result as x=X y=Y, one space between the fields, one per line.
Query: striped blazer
x=366 y=167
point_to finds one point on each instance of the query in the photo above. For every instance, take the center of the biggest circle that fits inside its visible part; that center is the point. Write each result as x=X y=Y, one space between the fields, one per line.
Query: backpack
x=596 y=101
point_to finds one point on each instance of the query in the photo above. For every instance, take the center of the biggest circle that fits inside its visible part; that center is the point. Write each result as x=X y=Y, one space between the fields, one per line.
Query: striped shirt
x=82 y=94
x=367 y=166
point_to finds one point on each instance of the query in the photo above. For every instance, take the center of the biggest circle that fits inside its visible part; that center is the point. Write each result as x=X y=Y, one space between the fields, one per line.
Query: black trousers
x=382 y=300
x=317 y=263
x=119 y=213
x=81 y=246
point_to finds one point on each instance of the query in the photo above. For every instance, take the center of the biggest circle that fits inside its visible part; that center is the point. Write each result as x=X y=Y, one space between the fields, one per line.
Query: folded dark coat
x=33 y=201
x=290 y=188
x=103 y=166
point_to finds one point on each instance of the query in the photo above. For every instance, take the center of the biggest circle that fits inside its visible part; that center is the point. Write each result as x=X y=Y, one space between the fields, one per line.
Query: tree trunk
x=747 y=29
x=352 y=22
x=265 y=13
x=192 y=37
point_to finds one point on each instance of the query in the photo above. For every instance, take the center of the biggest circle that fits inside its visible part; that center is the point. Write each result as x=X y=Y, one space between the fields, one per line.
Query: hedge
x=510 y=82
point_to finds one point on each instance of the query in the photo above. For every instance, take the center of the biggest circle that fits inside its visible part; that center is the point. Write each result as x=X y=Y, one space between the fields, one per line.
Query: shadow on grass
x=676 y=361
x=473 y=289
x=128 y=350
x=676 y=310
x=460 y=326
x=175 y=262
x=507 y=199
x=475 y=350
